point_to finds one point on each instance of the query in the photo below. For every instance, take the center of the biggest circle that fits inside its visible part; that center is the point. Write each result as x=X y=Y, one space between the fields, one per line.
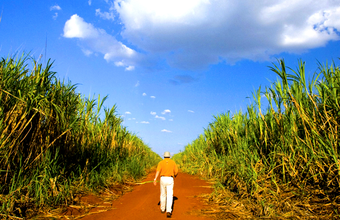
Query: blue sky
x=170 y=66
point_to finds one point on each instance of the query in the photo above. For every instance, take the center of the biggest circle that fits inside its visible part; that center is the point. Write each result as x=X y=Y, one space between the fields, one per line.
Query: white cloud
x=166 y=111
x=160 y=117
x=76 y=27
x=119 y=63
x=171 y=120
x=196 y=33
x=97 y=40
x=153 y=97
x=153 y=113
x=137 y=84
x=145 y=122
x=55 y=16
x=55 y=7
x=132 y=119
x=167 y=131
x=128 y=113
x=333 y=18
x=129 y=68
x=191 y=111
x=105 y=15
x=87 y=52
x=144 y=94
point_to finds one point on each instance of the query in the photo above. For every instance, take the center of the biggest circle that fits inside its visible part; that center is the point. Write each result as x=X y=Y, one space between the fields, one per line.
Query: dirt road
x=143 y=202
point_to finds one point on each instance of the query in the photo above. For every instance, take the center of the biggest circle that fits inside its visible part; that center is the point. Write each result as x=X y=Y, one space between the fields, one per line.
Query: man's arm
x=155 y=180
x=176 y=170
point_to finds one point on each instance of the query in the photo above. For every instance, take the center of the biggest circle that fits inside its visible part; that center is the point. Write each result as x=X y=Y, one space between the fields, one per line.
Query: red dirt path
x=142 y=202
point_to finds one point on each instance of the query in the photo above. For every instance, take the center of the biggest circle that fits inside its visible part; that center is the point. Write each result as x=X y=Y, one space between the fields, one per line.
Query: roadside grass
x=278 y=162
x=55 y=144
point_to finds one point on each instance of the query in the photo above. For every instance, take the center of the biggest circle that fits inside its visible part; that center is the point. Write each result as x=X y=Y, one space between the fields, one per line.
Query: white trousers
x=167 y=191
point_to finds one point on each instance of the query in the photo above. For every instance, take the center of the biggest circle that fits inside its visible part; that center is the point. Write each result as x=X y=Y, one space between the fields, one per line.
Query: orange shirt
x=167 y=167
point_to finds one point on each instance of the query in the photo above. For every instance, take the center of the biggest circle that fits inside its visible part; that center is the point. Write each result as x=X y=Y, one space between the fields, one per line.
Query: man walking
x=168 y=170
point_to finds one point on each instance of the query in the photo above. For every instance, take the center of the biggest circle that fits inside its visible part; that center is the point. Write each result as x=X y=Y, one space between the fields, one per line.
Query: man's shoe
x=168 y=214
x=162 y=211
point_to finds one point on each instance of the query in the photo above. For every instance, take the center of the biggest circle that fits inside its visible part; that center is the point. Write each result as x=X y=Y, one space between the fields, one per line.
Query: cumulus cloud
x=166 y=111
x=144 y=94
x=165 y=130
x=87 y=52
x=128 y=113
x=129 y=68
x=145 y=122
x=196 y=33
x=97 y=40
x=137 y=84
x=55 y=16
x=191 y=111
x=105 y=15
x=159 y=117
x=153 y=97
x=333 y=18
x=153 y=113
x=55 y=8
